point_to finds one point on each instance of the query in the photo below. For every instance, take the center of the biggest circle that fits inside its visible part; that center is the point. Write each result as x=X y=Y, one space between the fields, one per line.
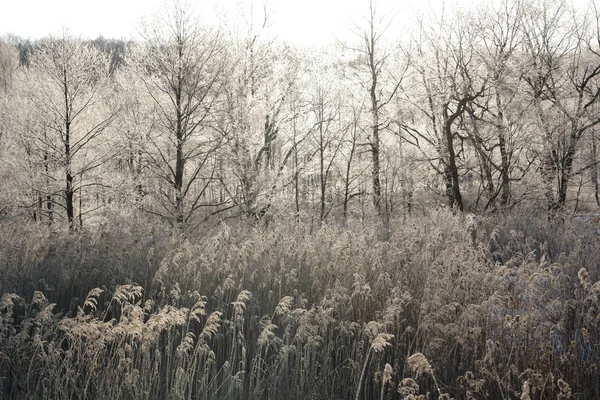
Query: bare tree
x=380 y=85
x=257 y=117
x=181 y=65
x=446 y=84
x=563 y=78
x=137 y=121
x=67 y=88
x=351 y=188
x=497 y=127
x=330 y=128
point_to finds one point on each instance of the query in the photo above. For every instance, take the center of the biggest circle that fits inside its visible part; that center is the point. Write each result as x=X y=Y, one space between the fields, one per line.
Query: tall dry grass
x=447 y=306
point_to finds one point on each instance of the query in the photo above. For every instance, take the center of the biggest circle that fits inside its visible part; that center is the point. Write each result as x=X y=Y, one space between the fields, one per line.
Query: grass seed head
x=418 y=365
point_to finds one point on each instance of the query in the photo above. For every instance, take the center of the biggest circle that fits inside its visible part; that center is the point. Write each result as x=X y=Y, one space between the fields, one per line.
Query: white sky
x=300 y=21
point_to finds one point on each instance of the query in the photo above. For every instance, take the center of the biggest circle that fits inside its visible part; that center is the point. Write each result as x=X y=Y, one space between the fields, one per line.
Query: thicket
x=439 y=306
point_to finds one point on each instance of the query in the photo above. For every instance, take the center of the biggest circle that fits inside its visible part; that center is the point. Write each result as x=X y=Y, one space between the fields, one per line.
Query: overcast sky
x=300 y=21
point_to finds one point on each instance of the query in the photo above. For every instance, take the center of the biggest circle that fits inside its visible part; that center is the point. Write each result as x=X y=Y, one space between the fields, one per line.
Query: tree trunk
x=487 y=179
x=594 y=168
x=67 y=143
x=347 y=194
x=548 y=171
x=451 y=169
x=69 y=178
x=69 y=198
x=179 y=157
x=566 y=168
x=375 y=156
x=375 y=143
x=178 y=182
x=296 y=179
x=49 y=204
x=138 y=175
x=322 y=174
x=81 y=200
x=504 y=156
x=347 y=188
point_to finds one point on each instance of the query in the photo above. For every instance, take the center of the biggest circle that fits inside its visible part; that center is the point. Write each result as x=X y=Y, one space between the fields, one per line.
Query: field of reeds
x=437 y=306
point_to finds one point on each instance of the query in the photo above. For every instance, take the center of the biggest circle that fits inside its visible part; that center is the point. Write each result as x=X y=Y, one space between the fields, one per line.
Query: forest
x=209 y=212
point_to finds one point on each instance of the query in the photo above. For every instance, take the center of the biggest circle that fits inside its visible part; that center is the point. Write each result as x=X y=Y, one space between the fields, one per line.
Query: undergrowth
x=444 y=307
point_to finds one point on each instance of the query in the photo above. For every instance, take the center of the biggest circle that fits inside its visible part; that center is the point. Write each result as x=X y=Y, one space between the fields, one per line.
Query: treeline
x=114 y=48
x=487 y=109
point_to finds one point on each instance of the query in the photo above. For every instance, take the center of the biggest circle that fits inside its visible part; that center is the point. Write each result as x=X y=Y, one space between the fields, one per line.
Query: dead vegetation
x=438 y=311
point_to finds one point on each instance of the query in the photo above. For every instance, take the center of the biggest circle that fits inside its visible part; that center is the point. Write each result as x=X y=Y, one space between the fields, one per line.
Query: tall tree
x=563 y=78
x=498 y=138
x=351 y=187
x=180 y=63
x=326 y=138
x=446 y=84
x=67 y=89
x=137 y=121
x=260 y=86
x=381 y=87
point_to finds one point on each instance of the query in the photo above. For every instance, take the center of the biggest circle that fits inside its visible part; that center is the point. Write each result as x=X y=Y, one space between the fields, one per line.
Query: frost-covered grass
x=500 y=308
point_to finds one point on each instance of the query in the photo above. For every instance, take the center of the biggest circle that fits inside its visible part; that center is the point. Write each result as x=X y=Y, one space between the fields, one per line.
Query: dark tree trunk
x=565 y=170
x=49 y=204
x=81 y=199
x=594 y=170
x=69 y=199
x=297 y=189
x=67 y=143
x=180 y=137
x=178 y=182
x=69 y=178
x=451 y=168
